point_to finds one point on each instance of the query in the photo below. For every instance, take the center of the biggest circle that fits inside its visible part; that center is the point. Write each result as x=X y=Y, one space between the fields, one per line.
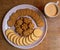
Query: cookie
x=27 y=20
x=19 y=22
x=28 y=32
x=10 y=22
x=24 y=12
x=24 y=26
x=19 y=30
x=31 y=25
x=29 y=12
x=12 y=19
x=38 y=32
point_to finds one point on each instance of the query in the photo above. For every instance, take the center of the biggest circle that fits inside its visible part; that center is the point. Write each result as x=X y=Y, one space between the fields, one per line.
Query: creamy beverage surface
x=51 y=10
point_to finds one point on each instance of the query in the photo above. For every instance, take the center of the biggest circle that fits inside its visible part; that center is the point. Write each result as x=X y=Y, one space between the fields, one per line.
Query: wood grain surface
x=52 y=39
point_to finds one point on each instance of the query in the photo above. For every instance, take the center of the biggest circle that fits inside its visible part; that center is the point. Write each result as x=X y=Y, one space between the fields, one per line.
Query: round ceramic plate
x=14 y=9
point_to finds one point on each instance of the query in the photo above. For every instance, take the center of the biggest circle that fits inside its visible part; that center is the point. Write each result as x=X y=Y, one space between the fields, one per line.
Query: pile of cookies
x=23 y=41
x=24 y=33
x=24 y=26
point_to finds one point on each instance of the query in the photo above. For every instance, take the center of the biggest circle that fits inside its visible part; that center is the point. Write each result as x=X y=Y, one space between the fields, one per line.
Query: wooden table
x=52 y=39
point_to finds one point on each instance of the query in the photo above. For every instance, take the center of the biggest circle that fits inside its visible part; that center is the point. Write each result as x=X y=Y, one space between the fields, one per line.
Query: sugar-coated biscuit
x=27 y=20
x=28 y=32
x=24 y=26
x=19 y=30
x=31 y=25
x=19 y=22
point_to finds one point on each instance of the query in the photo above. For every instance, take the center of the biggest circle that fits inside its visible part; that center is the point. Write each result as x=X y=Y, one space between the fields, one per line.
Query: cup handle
x=57 y=2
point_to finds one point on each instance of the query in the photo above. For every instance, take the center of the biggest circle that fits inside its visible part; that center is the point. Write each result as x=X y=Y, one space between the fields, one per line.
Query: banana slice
x=9 y=31
x=27 y=41
x=15 y=40
x=37 y=32
x=12 y=37
x=18 y=41
x=21 y=41
x=30 y=39
x=9 y=36
x=34 y=38
x=24 y=41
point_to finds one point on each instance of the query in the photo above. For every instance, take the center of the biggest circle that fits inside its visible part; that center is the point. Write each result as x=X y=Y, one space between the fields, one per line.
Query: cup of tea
x=51 y=9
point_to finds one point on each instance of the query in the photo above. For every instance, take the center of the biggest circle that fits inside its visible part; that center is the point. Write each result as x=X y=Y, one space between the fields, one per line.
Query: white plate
x=23 y=6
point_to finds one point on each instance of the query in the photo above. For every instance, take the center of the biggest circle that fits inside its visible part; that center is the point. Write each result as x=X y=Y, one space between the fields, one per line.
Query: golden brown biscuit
x=10 y=23
x=29 y=12
x=12 y=19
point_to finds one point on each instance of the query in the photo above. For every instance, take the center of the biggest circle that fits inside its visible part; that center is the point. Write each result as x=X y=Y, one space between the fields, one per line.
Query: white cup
x=56 y=4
